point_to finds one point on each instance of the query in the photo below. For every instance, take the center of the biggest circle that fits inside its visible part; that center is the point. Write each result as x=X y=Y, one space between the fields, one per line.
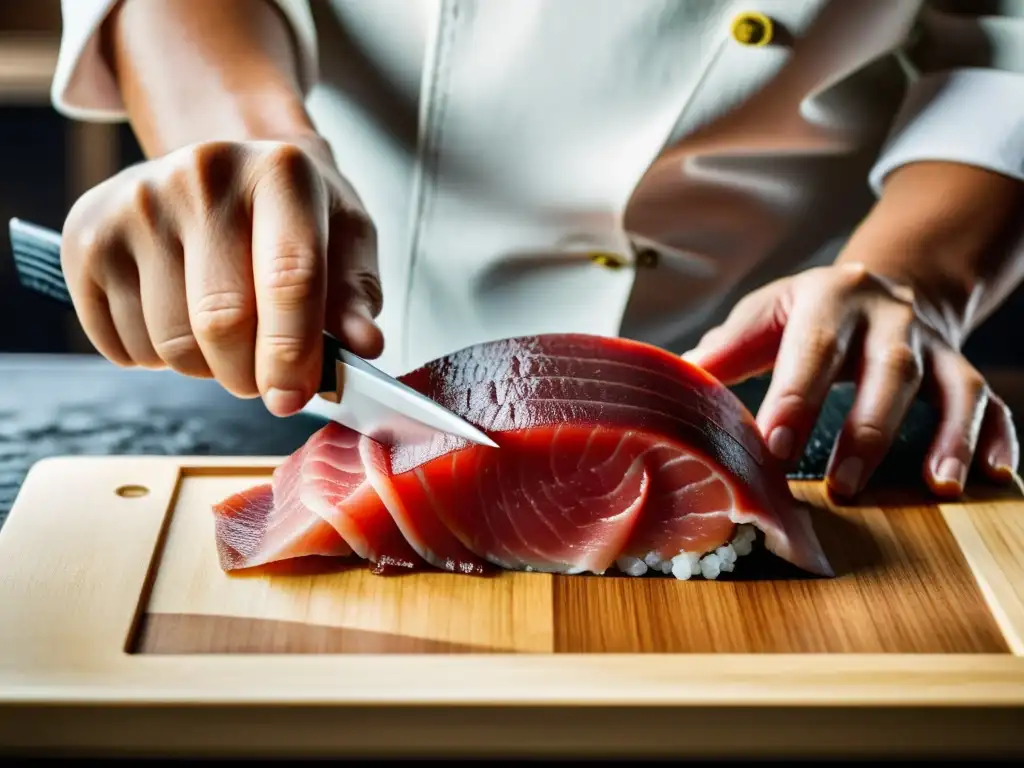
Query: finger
x=81 y=257
x=221 y=298
x=289 y=241
x=890 y=378
x=354 y=296
x=122 y=291
x=746 y=343
x=164 y=298
x=963 y=399
x=998 y=445
x=94 y=316
x=811 y=354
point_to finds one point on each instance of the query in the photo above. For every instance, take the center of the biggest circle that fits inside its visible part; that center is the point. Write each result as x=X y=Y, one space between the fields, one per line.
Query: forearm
x=194 y=70
x=943 y=227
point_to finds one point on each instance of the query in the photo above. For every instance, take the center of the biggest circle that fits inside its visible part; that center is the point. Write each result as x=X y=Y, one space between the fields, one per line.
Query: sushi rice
x=685 y=565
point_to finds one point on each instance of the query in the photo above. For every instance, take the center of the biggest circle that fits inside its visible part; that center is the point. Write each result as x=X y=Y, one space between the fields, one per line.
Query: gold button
x=752 y=28
x=607 y=259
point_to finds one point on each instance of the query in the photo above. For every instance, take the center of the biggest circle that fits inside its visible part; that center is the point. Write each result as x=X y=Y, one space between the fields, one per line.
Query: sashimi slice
x=332 y=483
x=524 y=507
x=611 y=452
x=675 y=414
x=268 y=523
x=426 y=533
x=317 y=503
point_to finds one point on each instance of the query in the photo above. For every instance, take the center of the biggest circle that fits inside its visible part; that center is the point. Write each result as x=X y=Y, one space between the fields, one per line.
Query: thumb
x=747 y=342
x=357 y=328
x=354 y=295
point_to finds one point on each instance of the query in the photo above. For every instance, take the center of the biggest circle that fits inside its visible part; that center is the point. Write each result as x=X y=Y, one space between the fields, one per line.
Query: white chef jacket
x=619 y=167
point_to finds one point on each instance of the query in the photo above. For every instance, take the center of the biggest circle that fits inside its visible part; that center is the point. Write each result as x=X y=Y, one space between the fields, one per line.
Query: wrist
x=937 y=228
x=195 y=71
x=948 y=300
x=271 y=112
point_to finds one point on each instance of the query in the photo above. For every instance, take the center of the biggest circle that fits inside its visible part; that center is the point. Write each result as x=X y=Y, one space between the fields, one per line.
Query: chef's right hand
x=227 y=260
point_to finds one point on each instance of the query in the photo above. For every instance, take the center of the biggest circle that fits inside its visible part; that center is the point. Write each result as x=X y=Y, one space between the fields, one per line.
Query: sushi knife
x=371 y=402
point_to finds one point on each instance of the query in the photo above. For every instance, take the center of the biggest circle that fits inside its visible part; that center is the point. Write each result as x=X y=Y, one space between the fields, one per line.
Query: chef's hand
x=227 y=260
x=891 y=314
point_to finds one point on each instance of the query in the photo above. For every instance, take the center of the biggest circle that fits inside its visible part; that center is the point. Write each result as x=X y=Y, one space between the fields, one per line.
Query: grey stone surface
x=83 y=405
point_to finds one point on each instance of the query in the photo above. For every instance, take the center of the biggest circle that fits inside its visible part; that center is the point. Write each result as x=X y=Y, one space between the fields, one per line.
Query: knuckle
x=287 y=165
x=824 y=345
x=207 y=171
x=853 y=278
x=143 y=200
x=792 y=403
x=975 y=385
x=869 y=438
x=904 y=314
x=293 y=277
x=288 y=159
x=903 y=363
x=285 y=351
x=82 y=249
x=85 y=242
x=208 y=153
x=178 y=348
x=222 y=315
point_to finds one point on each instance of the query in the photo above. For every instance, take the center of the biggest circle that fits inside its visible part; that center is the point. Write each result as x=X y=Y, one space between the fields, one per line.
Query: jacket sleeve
x=965 y=99
x=84 y=87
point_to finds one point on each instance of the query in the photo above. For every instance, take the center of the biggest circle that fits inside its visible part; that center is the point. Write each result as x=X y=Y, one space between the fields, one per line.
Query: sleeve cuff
x=84 y=87
x=970 y=116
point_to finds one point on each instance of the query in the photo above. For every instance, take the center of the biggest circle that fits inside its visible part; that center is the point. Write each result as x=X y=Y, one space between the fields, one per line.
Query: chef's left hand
x=891 y=321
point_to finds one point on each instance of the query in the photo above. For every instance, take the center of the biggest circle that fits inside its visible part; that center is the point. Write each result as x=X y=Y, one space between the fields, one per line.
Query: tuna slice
x=613 y=453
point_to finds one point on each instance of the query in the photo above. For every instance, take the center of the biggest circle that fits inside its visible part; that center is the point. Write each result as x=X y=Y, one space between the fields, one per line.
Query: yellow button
x=752 y=28
x=607 y=259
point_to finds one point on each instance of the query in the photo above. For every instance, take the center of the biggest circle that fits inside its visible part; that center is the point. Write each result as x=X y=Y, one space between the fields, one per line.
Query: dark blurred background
x=47 y=161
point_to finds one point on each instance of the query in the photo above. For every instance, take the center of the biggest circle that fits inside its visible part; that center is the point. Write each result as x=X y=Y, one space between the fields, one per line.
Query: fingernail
x=780 y=442
x=1003 y=471
x=284 y=402
x=847 y=477
x=360 y=313
x=1001 y=462
x=952 y=470
x=363 y=311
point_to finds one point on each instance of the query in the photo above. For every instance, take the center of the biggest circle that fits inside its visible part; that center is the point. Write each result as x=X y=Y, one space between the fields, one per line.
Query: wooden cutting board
x=119 y=631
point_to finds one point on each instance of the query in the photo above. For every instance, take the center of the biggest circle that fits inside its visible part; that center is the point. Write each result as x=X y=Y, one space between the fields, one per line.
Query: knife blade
x=370 y=402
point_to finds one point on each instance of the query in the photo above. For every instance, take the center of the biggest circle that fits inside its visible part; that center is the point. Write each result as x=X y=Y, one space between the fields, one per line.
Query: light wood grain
x=505 y=612
x=79 y=565
x=903 y=587
x=990 y=533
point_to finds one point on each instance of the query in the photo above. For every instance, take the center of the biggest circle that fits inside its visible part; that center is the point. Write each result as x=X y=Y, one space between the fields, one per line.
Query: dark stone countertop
x=82 y=405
